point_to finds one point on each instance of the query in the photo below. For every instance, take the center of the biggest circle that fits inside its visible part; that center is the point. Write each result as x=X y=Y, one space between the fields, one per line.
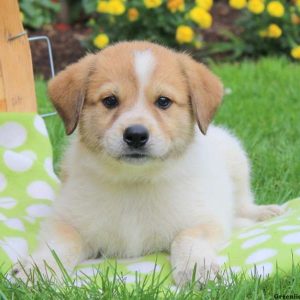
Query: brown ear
x=205 y=89
x=67 y=91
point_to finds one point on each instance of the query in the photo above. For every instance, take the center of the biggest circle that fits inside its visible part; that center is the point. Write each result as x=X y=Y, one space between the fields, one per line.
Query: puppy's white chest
x=138 y=220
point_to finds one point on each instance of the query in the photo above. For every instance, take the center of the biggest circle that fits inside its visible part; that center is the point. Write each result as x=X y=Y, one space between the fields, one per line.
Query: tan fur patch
x=205 y=89
x=212 y=232
x=67 y=91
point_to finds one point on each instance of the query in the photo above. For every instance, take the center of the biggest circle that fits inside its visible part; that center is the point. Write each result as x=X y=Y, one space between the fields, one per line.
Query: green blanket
x=28 y=185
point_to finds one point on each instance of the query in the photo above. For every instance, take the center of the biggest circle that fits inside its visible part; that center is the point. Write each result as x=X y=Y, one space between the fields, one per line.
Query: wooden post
x=17 y=93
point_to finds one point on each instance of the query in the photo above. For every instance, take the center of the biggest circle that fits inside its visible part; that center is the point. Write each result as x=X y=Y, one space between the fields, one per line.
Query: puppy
x=139 y=175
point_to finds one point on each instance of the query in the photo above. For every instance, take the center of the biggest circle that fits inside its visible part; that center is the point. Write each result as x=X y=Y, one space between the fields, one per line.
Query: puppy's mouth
x=135 y=157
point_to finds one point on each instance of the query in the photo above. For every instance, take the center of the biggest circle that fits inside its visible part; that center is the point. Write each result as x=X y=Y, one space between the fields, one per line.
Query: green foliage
x=37 y=13
x=135 y=20
x=264 y=33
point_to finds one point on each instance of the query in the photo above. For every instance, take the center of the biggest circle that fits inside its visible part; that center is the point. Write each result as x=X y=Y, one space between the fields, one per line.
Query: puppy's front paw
x=265 y=212
x=201 y=270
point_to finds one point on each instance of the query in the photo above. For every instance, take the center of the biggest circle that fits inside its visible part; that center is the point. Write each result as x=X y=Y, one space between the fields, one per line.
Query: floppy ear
x=67 y=91
x=205 y=90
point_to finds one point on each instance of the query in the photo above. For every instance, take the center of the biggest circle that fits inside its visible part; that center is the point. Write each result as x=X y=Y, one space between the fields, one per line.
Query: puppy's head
x=136 y=101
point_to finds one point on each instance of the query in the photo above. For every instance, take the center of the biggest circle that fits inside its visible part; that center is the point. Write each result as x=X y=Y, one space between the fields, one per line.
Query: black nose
x=136 y=136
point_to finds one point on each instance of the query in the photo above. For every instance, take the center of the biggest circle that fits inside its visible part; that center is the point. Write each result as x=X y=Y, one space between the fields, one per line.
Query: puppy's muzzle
x=136 y=136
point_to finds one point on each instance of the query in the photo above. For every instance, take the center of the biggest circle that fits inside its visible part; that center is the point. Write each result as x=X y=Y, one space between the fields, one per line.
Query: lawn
x=263 y=110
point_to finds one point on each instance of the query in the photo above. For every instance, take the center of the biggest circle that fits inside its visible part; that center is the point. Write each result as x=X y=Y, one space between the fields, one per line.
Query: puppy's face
x=136 y=102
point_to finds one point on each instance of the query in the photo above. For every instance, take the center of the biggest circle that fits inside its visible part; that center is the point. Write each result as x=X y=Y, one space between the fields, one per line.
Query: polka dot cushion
x=28 y=185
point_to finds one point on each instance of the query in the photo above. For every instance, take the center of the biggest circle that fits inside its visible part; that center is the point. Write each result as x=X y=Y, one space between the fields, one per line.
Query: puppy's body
x=140 y=209
x=165 y=187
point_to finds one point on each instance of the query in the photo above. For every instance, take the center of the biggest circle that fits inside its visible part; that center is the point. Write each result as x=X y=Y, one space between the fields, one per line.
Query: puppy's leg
x=193 y=250
x=57 y=236
x=245 y=206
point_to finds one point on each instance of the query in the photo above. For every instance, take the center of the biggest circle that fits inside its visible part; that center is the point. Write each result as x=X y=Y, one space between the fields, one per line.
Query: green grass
x=263 y=110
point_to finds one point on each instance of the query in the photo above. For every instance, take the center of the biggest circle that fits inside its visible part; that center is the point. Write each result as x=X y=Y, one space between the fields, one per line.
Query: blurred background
x=218 y=30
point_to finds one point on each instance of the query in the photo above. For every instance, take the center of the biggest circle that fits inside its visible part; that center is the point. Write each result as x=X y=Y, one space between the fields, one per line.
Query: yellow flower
x=256 y=6
x=22 y=16
x=295 y=52
x=201 y=17
x=152 y=3
x=113 y=7
x=101 y=40
x=116 y=7
x=205 y=4
x=175 y=5
x=275 y=9
x=133 y=14
x=273 y=32
x=103 y=7
x=184 y=34
x=237 y=4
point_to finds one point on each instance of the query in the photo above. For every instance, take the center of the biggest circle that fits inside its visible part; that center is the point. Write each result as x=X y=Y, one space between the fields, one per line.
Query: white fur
x=128 y=210
x=144 y=63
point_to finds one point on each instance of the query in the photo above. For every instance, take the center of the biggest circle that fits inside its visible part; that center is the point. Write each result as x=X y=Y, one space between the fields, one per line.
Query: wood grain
x=17 y=92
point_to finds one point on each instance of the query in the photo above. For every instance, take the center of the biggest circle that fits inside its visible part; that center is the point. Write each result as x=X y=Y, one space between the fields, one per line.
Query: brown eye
x=163 y=102
x=110 y=102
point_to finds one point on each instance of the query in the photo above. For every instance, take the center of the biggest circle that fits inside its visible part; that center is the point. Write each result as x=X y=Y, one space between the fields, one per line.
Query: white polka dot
x=40 y=125
x=292 y=238
x=270 y=223
x=225 y=245
x=262 y=270
x=221 y=260
x=289 y=227
x=16 y=161
x=260 y=255
x=2 y=217
x=251 y=233
x=38 y=210
x=174 y=289
x=235 y=269
x=89 y=271
x=255 y=241
x=15 y=223
x=7 y=202
x=144 y=267
x=12 y=135
x=79 y=282
x=40 y=190
x=3 y=182
x=49 y=169
x=29 y=219
x=14 y=247
x=297 y=251
x=128 y=279
x=30 y=154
